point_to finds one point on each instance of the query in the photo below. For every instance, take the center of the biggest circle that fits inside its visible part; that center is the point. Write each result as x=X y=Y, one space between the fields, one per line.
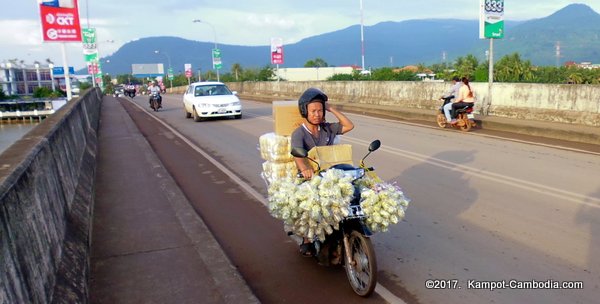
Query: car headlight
x=237 y=103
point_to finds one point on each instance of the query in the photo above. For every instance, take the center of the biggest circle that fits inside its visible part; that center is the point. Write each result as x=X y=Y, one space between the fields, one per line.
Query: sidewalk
x=551 y=130
x=148 y=244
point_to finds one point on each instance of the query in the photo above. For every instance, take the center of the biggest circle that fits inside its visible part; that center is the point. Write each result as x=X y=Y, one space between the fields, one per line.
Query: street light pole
x=362 y=36
x=169 y=60
x=215 y=34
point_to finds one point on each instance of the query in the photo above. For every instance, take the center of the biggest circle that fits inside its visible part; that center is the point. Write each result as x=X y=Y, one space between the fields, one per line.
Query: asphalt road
x=483 y=209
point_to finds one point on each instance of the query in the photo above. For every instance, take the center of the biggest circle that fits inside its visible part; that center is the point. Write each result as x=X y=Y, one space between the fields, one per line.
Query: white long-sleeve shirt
x=453 y=90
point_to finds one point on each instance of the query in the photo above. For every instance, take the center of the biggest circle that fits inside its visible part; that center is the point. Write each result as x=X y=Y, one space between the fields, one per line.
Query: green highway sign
x=216 y=59
x=491 y=19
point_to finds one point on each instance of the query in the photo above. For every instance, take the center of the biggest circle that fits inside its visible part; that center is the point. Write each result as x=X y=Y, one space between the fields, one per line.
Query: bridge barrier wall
x=46 y=203
x=567 y=103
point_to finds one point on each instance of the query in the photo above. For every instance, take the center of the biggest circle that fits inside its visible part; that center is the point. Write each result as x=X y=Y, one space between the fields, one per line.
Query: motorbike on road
x=154 y=104
x=465 y=119
x=350 y=245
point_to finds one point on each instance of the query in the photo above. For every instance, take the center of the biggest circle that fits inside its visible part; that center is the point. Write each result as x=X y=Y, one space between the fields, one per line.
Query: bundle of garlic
x=275 y=148
x=384 y=204
x=313 y=208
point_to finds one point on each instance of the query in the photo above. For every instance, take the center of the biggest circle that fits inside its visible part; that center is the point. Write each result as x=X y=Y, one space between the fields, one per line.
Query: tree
x=575 y=78
x=316 y=63
x=236 y=69
x=511 y=68
x=266 y=73
x=465 y=66
x=42 y=92
x=210 y=75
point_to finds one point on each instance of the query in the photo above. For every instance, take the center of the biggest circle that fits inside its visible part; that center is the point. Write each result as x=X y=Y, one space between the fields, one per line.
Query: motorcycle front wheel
x=441 y=120
x=362 y=270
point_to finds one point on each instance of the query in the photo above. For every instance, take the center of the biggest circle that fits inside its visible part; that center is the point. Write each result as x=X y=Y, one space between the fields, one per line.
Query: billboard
x=60 y=21
x=276 y=51
x=147 y=69
x=491 y=19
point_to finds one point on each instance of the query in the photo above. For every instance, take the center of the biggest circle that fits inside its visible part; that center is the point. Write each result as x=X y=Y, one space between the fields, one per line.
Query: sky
x=250 y=22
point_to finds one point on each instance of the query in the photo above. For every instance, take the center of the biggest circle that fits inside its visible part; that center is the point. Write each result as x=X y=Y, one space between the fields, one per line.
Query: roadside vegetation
x=510 y=68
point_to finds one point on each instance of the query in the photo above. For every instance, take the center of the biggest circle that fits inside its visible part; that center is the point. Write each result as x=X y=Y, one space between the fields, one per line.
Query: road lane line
x=379 y=289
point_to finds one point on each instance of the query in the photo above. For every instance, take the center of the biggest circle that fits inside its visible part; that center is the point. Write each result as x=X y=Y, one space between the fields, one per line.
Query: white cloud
x=236 y=22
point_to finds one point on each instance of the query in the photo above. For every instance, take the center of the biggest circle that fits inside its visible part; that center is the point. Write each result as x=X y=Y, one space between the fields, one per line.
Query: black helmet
x=309 y=96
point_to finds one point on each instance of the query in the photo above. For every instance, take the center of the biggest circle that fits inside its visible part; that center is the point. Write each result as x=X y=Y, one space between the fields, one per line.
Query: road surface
x=483 y=210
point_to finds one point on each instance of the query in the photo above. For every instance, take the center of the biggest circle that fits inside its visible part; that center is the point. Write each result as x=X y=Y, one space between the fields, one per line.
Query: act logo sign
x=491 y=19
x=60 y=21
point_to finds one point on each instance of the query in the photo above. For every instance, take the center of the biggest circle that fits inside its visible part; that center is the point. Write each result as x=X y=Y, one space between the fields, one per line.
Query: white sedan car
x=210 y=99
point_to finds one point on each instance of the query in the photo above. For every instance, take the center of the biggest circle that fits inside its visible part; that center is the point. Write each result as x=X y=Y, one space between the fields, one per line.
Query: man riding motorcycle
x=449 y=96
x=154 y=89
x=315 y=132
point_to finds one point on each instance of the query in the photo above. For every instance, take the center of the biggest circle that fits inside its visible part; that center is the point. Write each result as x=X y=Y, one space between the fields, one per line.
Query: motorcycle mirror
x=374 y=145
x=299 y=152
x=302 y=153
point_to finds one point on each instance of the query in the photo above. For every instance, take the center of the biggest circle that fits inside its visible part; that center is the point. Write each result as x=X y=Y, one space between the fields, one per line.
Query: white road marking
x=379 y=289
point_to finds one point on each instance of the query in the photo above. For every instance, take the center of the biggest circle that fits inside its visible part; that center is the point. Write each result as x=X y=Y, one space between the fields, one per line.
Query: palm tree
x=575 y=78
x=236 y=69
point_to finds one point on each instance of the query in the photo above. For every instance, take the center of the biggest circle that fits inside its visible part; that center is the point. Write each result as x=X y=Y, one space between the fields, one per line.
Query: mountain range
x=575 y=29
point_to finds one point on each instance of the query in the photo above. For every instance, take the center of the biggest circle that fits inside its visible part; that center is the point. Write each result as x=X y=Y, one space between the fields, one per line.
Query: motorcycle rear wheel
x=441 y=120
x=362 y=274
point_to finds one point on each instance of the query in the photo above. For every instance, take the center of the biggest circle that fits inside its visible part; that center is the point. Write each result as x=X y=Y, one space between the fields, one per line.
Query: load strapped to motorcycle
x=339 y=208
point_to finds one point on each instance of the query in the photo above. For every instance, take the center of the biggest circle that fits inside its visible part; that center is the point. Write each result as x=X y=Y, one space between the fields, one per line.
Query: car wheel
x=197 y=118
x=187 y=114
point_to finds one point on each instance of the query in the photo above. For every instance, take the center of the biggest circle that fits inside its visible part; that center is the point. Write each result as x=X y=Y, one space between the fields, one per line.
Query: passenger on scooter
x=450 y=95
x=465 y=98
x=315 y=131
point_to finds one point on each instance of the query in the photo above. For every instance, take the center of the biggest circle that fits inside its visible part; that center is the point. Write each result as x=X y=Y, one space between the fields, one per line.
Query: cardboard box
x=328 y=156
x=286 y=116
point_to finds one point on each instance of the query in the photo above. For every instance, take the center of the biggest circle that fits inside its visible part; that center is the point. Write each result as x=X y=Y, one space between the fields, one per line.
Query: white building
x=310 y=74
x=23 y=79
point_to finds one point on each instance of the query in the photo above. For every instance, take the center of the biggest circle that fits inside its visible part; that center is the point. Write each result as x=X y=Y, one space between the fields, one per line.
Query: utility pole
x=557 y=54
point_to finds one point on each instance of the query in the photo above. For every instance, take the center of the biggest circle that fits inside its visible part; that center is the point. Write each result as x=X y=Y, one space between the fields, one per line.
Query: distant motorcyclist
x=449 y=96
x=465 y=97
x=154 y=89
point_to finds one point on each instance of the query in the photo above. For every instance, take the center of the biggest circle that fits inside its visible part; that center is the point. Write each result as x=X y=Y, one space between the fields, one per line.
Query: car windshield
x=211 y=90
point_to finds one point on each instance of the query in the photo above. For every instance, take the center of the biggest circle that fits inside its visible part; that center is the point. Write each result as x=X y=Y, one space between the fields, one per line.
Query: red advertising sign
x=60 y=21
x=276 y=51
x=188 y=70
x=93 y=68
x=277 y=56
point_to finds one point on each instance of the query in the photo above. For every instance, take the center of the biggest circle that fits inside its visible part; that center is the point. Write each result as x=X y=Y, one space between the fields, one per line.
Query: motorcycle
x=351 y=245
x=465 y=119
x=154 y=97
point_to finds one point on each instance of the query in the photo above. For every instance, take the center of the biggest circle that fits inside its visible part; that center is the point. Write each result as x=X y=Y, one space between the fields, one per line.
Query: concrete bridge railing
x=579 y=104
x=566 y=103
x=46 y=203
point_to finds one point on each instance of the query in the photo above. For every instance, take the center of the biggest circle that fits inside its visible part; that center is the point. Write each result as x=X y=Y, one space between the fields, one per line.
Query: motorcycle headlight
x=355 y=174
